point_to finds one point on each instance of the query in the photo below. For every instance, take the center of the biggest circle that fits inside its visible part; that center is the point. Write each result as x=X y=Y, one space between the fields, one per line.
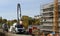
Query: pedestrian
x=5 y=27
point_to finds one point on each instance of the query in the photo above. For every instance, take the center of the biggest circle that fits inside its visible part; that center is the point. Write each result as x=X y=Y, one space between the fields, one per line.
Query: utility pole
x=55 y=17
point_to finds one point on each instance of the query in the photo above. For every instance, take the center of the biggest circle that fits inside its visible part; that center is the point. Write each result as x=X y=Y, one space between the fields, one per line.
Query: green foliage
x=4 y=20
x=30 y=20
x=25 y=21
x=37 y=21
x=10 y=23
x=0 y=19
x=14 y=20
x=0 y=25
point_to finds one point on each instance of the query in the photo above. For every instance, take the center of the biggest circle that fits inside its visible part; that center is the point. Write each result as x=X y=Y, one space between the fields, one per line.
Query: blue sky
x=28 y=7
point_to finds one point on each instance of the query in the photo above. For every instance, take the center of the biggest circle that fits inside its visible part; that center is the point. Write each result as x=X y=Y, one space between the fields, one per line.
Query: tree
x=10 y=22
x=37 y=21
x=4 y=20
x=0 y=22
x=25 y=21
x=33 y=21
x=0 y=19
x=14 y=20
x=30 y=20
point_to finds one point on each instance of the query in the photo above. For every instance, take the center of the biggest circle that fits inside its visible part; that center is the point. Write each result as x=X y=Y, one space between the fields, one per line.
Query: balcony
x=47 y=21
x=48 y=17
x=50 y=20
x=47 y=24
x=48 y=11
x=46 y=29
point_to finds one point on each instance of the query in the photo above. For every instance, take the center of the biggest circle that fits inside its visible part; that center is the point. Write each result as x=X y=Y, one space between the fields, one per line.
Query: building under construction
x=51 y=16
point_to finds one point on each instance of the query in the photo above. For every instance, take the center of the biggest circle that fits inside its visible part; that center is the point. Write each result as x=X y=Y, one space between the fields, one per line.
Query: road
x=10 y=34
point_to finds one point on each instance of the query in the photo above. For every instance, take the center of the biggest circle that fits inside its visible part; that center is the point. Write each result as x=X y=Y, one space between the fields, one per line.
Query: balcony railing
x=47 y=29
x=48 y=11
x=45 y=24
x=48 y=17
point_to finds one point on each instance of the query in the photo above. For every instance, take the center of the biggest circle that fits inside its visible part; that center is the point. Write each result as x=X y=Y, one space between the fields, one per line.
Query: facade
x=48 y=11
x=38 y=17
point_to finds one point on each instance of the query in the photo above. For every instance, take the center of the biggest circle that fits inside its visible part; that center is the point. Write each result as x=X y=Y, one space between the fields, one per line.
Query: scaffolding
x=55 y=17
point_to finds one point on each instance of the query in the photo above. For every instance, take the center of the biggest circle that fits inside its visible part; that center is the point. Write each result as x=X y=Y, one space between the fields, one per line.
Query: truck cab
x=19 y=29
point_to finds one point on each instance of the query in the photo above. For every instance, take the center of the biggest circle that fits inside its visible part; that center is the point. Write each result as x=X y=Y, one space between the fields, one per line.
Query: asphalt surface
x=10 y=34
x=2 y=34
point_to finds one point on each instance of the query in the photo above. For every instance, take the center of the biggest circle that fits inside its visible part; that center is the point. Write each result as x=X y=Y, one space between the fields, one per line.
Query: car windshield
x=19 y=26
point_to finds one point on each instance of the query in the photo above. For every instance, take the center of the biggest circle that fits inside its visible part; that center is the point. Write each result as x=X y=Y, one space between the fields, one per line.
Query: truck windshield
x=19 y=26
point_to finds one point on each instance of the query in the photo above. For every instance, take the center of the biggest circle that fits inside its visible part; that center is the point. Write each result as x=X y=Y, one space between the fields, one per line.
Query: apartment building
x=48 y=11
